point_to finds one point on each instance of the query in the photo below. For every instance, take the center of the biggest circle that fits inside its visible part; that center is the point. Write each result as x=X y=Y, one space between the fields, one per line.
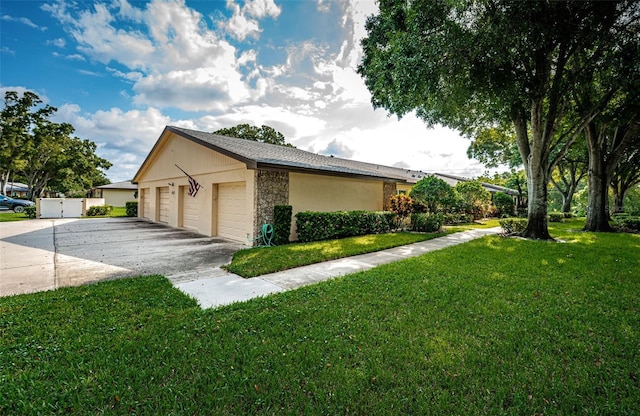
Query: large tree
x=477 y=64
x=264 y=134
x=19 y=115
x=43 y=153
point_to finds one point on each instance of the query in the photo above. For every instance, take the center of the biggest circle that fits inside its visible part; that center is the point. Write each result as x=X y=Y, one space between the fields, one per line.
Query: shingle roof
x=453 y=179
x=119 y=185
x=259 y=155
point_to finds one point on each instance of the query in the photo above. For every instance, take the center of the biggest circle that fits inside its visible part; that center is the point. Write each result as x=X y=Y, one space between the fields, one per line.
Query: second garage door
x=232 y=211
x=189 y=210
x=163 y=206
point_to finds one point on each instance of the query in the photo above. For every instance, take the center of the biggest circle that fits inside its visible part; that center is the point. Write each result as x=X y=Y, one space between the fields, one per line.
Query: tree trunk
x=598 y=201
x=566 y=201
x=536 y=165
x=618 y=200
x=537 y=227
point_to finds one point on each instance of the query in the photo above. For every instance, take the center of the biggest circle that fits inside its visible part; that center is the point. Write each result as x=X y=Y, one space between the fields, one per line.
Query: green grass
x=118 y=212
x=486 y=223
x=12 y=216
x=495 y=326
x=262 y=260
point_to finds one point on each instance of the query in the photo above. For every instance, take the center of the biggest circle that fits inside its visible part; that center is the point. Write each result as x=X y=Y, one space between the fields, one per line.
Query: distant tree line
x=43 y=154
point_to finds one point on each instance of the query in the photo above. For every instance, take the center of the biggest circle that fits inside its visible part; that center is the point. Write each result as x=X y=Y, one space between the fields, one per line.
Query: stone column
x=271 y=188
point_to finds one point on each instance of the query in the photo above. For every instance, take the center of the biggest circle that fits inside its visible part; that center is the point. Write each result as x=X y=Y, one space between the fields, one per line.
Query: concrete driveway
x=46 y=254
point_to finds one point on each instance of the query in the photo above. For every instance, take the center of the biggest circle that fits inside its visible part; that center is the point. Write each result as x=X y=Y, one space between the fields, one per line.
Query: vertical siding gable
x=194 y=158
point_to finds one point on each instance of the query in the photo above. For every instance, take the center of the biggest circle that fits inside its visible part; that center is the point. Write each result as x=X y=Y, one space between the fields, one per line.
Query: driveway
x=38 y=255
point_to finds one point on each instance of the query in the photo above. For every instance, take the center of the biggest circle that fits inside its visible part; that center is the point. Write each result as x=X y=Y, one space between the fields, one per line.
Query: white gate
x=60 y=207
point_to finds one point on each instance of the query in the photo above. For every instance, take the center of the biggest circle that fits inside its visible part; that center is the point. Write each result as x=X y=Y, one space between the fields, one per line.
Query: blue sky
x=119 y=71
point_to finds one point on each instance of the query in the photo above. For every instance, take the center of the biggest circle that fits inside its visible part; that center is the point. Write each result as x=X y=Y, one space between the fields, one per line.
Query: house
x=452 y=180
x=242 y=180
x=17 y=190
x=116 y=194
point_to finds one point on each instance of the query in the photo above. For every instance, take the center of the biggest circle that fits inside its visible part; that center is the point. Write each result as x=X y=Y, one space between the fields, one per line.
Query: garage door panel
x=163 y=211
x=146 y=203
x=190 y=218
x=232 y=211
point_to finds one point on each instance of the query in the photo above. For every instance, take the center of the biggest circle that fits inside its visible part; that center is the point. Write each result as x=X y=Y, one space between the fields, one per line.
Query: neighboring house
x=21 y=190
x=17 y=190
x=116 y=194
x=242 y=180
x=453 y=180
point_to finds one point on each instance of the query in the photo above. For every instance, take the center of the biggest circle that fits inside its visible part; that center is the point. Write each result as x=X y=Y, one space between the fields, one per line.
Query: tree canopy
x=474 y=65
x=42 y=153
x=264 y=134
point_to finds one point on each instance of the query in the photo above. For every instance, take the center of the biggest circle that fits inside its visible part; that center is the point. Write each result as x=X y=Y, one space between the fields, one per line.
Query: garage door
x=163 y=204
x=189 y=210
x=231 y=211
x=146 y=203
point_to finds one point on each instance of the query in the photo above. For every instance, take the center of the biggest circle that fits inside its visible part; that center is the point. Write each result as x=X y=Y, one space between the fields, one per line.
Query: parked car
x=17 y=205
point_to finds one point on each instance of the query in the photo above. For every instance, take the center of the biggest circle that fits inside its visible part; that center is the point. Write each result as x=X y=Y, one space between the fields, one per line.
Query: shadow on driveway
x=50 y=253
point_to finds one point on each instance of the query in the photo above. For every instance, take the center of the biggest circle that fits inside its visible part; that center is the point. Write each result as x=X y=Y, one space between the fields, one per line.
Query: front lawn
x=9 y=216
x=262 y=260
x=493 y=326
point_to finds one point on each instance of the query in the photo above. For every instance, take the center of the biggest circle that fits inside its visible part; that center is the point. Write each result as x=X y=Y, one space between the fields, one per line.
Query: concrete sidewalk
x=224 y=288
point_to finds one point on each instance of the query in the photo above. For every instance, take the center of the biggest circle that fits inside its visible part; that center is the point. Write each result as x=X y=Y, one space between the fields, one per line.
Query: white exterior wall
x=118 y=197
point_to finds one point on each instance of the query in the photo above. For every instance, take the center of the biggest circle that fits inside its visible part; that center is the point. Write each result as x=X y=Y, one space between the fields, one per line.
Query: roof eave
x=298 y=169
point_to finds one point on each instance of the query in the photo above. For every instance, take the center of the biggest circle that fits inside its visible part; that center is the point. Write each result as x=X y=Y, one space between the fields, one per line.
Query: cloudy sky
x=119 y=71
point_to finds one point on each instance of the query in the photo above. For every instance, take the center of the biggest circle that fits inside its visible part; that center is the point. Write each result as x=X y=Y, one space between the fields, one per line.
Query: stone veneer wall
x=271 y=188
x=388 y=191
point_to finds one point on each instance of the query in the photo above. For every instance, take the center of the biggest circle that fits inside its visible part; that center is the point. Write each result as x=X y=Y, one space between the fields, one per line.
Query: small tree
x=434 y=193
x=504 y=204
x=473 y=195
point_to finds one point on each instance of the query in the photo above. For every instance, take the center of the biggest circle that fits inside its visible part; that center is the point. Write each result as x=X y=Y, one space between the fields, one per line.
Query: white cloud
x=313 y=96
x=243 y=23
x=177 y=60
x=123 y=137
x=59 y=42
x=24 y=21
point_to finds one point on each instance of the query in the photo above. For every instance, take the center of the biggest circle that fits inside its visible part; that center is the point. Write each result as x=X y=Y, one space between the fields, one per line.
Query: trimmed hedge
x=30 y=211
x=281 y=224
x=99 y=211
x=426 y=222
x=456 y=219
x=132 y=208
x=513 y=225
x=316 y=226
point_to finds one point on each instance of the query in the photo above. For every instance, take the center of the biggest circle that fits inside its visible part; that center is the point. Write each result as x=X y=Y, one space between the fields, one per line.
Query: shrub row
x=513 y=225
x=456 y=219
x=426 y=222
x=316 y=226
x=627 y=223
x=132 y=208
x=99 y=210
